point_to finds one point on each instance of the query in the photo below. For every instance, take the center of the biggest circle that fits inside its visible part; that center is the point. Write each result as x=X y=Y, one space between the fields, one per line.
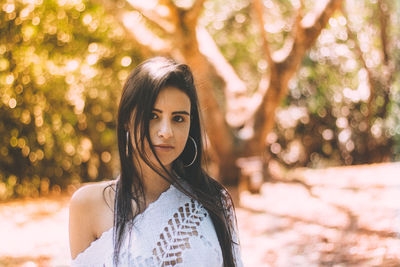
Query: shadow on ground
x=347 y=216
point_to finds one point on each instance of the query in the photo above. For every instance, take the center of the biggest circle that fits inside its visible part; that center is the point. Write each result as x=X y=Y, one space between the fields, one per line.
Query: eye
x=153 y=116
x=179 y=119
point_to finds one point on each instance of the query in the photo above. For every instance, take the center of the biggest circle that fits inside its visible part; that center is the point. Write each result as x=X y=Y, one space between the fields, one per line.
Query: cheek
x=153 y=131
x=183 y=135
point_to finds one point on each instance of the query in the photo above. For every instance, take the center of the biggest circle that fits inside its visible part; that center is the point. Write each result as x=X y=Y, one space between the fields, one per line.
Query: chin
x=165 y=163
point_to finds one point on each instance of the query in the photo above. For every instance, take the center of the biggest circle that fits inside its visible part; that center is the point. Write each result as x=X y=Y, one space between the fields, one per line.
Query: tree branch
x=234 y=85
x=142 y=34
x=288 y=47
x=258 y=8
x=360 y=55
x=113 y=8
x=383 y=19
x=173 y=12
x=153 y=17
x=306 y=32
x=316 y=20
x=194 y=12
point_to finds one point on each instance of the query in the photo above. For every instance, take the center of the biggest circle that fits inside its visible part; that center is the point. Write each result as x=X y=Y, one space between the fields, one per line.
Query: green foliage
x=331 y=120
x=62 y=66
x=393 y=121
x=63 y=62
x=324 y=120
x=230 y=24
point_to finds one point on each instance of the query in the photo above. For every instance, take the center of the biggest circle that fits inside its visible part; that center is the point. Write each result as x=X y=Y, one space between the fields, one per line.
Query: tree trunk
x=180 y=26
x=306 y=31
x=218 y=131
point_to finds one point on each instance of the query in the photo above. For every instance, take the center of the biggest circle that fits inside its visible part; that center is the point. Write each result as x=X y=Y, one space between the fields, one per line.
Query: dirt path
x=332 y=217
x=34 y=233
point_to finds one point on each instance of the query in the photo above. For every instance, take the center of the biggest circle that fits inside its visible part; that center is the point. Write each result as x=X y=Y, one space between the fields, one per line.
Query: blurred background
x=291 y=92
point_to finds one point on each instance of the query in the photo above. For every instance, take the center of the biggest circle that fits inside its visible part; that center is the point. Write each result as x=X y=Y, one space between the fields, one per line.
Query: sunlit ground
x=332 y=217
x=34 y=233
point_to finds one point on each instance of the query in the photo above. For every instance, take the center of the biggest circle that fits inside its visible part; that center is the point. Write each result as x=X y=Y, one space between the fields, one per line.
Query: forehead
x=172 y=98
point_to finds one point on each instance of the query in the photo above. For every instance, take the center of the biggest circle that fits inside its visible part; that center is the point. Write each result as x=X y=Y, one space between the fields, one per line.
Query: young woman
x=163 y=209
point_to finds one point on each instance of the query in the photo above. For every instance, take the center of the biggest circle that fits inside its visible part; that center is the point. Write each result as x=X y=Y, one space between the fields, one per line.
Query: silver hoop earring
x=195 y=154
x=127 y=142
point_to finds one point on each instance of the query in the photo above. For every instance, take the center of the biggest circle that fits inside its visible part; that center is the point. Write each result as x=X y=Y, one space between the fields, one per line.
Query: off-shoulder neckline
x=137 y=217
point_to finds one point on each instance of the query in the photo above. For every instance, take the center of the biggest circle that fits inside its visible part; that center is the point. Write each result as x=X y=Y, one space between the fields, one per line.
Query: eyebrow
x=175 y=112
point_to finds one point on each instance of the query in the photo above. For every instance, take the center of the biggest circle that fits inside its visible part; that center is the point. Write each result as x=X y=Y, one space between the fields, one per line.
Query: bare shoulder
x=91 y=195
x=90 y=214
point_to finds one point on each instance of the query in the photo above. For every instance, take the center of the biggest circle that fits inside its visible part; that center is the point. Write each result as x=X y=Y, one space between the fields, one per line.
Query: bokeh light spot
x=9 y=7
x=106 y=156
x=12 y=103
x=126 y=61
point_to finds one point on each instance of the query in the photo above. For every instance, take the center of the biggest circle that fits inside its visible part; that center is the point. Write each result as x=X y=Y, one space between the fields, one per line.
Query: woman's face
x=169 y=125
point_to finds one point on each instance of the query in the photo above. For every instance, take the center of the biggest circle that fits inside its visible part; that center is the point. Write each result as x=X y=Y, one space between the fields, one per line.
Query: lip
x=163 y=147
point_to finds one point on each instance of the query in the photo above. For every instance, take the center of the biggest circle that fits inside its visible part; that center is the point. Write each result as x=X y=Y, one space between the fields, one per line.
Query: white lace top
x=175 y=230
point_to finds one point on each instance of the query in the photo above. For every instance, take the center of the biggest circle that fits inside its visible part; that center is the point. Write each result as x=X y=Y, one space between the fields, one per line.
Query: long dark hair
x=138 y=97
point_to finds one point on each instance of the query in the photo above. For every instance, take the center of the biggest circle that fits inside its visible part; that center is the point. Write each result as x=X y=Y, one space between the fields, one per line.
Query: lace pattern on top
x=175 y=230
x=176 y=236
x=174 y=239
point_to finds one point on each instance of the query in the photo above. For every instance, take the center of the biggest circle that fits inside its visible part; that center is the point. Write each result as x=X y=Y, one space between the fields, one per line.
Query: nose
x=165 y=130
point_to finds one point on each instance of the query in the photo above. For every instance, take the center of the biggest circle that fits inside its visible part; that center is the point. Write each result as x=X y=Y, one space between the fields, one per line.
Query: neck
x=154 y=184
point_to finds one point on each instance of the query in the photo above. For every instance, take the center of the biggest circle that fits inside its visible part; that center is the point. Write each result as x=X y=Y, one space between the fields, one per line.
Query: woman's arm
x=81 y=229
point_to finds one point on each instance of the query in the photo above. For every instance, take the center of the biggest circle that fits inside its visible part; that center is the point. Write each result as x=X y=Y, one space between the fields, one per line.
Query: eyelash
x=153 y=116
x=175 y=118
x=179 y=119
